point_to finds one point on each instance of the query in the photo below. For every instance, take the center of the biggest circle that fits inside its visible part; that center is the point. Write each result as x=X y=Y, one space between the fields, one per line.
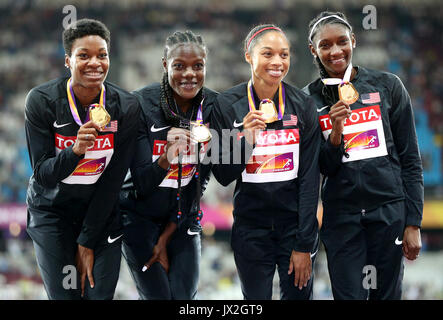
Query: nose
x=335 y=50
x=277 y=60
x=94 y=61
x=189 y=73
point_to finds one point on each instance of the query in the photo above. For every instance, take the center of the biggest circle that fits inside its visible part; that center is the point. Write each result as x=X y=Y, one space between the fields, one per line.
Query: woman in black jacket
x=160 y=198
x=372 y=190
x=79 y=163
x=277 y=175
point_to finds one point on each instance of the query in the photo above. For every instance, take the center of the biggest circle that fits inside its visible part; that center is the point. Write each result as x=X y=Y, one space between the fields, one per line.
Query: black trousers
x=55 y=250
x=258 y=250
x=373 y=238
x=184 y=253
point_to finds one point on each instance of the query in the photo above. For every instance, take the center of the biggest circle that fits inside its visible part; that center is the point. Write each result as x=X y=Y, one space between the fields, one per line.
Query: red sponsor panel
x=103 y=142
x=362 y=115
x=278 y=138
x=160 y=145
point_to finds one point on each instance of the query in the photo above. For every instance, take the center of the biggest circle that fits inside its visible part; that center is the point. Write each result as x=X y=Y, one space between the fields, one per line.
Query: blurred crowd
x=407 y=41
x=19 y=278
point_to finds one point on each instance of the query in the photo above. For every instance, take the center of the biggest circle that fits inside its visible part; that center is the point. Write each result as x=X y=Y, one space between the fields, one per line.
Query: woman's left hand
x=301 y=264
x=159 y=254
x=411 y=242
x=85 y=264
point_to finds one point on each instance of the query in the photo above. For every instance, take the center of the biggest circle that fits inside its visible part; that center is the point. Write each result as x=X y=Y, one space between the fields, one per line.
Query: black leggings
x=372 y=238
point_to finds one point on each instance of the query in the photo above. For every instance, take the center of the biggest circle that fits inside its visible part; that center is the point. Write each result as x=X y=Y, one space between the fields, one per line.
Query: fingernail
x=92 y=286
x=144 y=268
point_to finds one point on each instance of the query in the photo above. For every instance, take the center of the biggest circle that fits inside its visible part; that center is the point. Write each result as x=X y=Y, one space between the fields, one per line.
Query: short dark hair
x=259 y=31
x=83 y=28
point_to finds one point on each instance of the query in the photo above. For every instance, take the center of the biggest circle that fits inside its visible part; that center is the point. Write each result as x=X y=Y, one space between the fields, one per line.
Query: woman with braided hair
x=160 y=200
x=372 y=190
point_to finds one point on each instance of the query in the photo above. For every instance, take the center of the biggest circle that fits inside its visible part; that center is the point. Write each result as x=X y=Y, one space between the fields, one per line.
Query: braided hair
x=167 y=103
x=330 y=93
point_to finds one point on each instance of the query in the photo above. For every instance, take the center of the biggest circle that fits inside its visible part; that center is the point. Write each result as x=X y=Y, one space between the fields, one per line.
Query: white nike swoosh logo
x=313 y=254
x=398 y=242
x=321 y=109
x=60 y=125
x=236 y=125
x=154 y=129
x=112 y=240
x=192 y=233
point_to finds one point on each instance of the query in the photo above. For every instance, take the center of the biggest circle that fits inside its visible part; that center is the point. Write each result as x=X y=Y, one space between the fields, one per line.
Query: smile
x=338 y=61
x=275 y=73
x=188 y=85
x=93 y=74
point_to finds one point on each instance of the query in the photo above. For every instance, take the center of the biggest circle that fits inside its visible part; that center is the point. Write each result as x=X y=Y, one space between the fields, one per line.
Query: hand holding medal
x=341 y=110
x=253 y=122
x=95 y=120
x=339 y=113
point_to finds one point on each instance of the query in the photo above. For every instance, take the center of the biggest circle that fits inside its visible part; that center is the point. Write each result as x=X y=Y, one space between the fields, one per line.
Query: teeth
x=338 y=61
x=188 y=85
x=275 y=73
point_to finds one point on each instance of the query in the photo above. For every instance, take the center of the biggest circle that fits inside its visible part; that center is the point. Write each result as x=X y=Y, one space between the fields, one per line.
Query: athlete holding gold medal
x=277 y=175
x=80 y=134
x=160 y=200
x=373 y=188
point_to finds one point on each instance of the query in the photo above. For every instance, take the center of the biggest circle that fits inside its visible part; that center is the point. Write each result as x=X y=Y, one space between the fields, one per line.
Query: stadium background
x=408 y=42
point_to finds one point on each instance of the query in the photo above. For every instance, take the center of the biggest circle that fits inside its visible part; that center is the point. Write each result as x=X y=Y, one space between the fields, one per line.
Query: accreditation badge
x=99 y=115
x=269 y=110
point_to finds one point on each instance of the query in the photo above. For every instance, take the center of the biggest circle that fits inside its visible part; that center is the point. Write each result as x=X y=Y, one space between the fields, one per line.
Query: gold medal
x=99 y=115
x=267 y=106
x=347 y=93
x=200 y=132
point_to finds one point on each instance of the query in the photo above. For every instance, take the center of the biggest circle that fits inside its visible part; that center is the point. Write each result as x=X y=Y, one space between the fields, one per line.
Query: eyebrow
x=103 y=48
x=273 y=48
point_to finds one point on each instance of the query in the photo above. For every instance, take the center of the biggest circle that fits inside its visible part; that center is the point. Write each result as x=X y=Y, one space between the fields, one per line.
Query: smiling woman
x=276 y=190
x=373 y=188
x=161 y=198
x=78 y=167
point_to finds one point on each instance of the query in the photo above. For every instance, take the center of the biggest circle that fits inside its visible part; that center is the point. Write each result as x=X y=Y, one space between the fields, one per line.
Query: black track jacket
x=382 y=161
x=278 y=181
x=156 y=188
x=80 y=190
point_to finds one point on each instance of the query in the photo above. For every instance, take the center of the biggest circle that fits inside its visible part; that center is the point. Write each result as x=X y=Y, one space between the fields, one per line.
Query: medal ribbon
x=199 y=119
x=334 y=81
x=73 y=106
x=281 y=99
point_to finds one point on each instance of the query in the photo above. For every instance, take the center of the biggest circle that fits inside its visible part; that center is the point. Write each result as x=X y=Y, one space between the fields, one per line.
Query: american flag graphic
x=111 y=127
x=290 y=120
x=373 y=97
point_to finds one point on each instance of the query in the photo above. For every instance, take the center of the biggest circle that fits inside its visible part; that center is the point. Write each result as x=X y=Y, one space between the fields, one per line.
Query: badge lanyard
x=281 y=99
x=199 y=121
